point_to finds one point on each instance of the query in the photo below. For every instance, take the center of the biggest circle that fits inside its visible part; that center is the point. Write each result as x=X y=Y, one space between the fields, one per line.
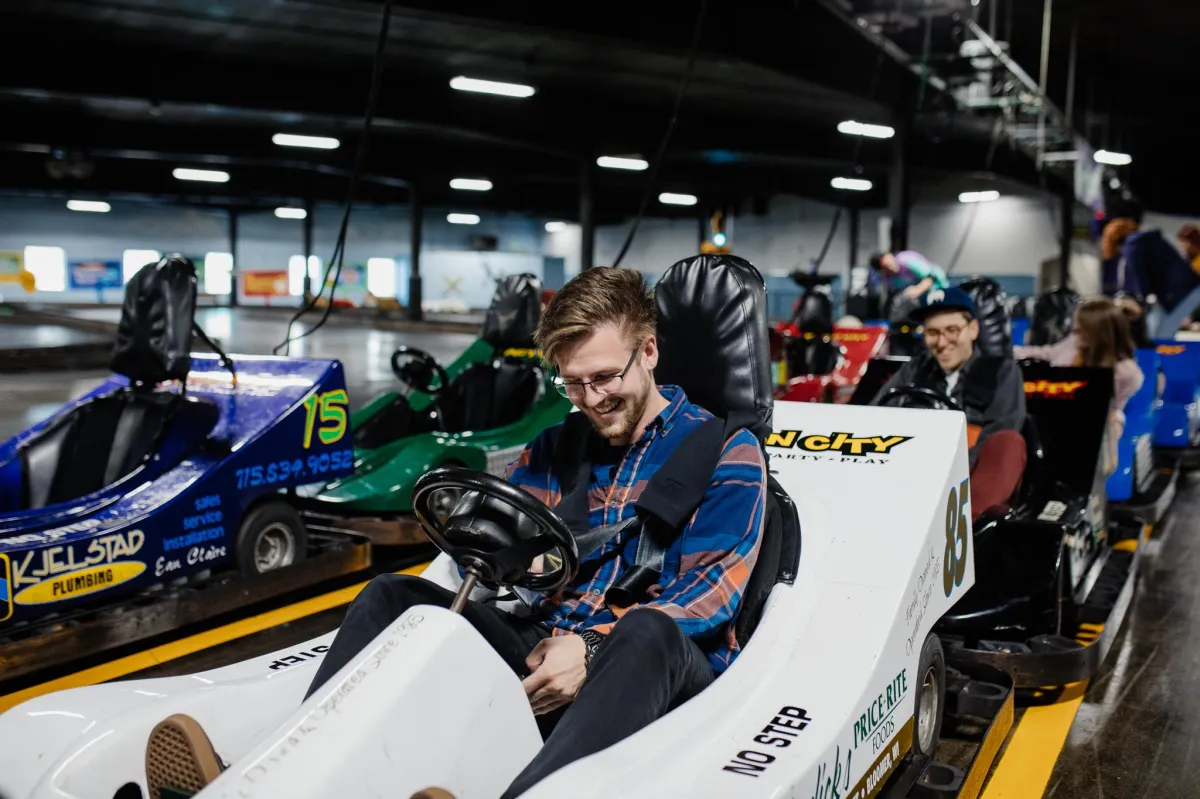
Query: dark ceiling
x=123 y=91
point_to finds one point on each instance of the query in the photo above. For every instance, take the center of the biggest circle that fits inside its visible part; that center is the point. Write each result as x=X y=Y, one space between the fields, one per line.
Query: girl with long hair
x=1100 y=338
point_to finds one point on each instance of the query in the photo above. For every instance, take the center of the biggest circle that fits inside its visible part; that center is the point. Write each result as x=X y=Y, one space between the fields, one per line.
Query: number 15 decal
x=955 y=565
x=330 y=409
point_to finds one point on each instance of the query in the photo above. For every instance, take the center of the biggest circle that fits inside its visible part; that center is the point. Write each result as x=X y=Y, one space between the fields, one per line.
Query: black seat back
x=514 y=313
x=491 y=394
x=814 y=313
x=713 y=343
x=991 y=307
x=1053 y=316
x=154 y=337
x=106 y=438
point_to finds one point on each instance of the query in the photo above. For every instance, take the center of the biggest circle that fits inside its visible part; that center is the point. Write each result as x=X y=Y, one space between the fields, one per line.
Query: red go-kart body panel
x=858 y=345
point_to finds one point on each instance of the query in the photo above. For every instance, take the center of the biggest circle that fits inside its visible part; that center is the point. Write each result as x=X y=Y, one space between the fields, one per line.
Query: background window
x=133 y=260
x=218 y=272
x=296 y=274
x=381 y=276
x=48 y=265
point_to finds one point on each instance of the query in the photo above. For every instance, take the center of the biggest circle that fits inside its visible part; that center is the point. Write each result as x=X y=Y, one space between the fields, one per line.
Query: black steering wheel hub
x=919 y=397
x=416 y=369
x=496 y=531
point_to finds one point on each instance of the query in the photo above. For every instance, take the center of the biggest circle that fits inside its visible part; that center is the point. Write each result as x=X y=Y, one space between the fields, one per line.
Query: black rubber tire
x=284 y=518
x=932 y=657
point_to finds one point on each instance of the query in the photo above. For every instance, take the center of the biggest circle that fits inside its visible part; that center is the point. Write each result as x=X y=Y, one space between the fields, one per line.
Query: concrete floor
x=1137 y=733
x=29 y=397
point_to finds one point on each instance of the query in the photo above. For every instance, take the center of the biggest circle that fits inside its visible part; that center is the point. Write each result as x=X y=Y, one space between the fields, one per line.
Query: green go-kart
x=478 y=412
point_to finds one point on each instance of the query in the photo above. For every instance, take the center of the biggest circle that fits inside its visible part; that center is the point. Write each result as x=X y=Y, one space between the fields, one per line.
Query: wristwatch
x=592 y=640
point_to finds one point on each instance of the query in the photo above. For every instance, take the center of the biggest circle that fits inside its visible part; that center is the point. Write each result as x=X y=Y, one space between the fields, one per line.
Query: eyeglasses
x=951 y=333
x=575 y=389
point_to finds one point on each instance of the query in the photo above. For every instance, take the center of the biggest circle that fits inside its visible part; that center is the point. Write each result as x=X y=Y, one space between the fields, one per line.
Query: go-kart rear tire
x=929 y=700
x=272 y=536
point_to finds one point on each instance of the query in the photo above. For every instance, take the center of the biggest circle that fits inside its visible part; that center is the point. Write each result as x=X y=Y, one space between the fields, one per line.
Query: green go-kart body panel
x=384 y=476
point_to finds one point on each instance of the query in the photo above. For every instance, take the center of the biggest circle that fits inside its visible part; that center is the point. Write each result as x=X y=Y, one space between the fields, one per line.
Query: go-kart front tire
x=272 y=537
x=929 y=702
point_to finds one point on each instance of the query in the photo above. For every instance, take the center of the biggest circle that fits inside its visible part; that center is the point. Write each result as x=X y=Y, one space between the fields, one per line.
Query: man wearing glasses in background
x=596 y=674
x=989 y=389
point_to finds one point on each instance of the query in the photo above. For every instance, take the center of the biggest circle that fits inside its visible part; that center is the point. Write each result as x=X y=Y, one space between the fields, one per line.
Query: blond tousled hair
x=595 y=297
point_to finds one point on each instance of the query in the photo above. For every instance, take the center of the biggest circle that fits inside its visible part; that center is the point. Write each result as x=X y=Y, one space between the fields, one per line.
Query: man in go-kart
x=594 y=672
x=989 y=389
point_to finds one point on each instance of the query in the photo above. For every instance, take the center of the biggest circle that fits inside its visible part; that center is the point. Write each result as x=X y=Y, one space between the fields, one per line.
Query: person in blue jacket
x=909 y=273
x=1156 y=272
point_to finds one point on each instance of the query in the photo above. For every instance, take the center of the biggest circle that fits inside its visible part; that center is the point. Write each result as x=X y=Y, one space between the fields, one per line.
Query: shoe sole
x=179 y=756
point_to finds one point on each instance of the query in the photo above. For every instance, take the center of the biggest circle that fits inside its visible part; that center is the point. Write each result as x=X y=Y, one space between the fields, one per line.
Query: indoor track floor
x=1132 y=732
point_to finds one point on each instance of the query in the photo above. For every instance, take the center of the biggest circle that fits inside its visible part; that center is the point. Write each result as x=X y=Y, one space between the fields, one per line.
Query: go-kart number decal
x=330 y=409
x=956 y=531
x=6 y=605
x=295 y=468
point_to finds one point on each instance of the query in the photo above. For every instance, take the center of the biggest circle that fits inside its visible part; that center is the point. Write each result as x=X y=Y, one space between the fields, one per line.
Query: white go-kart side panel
x=820 y=697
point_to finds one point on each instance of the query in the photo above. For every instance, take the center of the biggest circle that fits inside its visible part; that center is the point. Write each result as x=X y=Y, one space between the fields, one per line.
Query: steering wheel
x=936 y=399
x=496 y=531
x=416 y=368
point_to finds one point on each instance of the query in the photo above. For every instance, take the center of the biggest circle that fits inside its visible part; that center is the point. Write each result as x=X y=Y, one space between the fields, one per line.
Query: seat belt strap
x=668 y=503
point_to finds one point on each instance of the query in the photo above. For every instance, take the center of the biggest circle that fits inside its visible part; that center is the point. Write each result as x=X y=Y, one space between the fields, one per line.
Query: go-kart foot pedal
x=1005 y=647
x=938 y=781
x=980 y=699
x=180 y=760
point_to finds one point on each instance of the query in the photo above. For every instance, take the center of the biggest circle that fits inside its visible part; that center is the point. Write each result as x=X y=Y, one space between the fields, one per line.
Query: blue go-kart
x=178 y=469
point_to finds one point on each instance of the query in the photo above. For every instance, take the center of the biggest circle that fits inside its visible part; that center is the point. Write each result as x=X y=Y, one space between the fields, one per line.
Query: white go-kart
x=840 y=689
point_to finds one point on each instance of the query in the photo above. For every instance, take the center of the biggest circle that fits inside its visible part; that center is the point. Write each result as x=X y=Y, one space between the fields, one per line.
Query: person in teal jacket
x=909 y=273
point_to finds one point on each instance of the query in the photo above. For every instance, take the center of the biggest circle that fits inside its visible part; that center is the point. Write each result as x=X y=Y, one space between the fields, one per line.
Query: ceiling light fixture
x=555 y=227
x=851 y=184
x=852 y=128
x=205 y=175
x=313 y=142
x=621 y=162
x=465 y=84
x=462 y=219
x=667 y=198
x=95 y=206
x=471 y=184
x=1112 y=159
x=290 y=213
x=978 y=196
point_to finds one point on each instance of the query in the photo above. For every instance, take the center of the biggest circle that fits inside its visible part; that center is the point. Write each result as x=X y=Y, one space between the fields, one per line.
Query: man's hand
x=559 y=666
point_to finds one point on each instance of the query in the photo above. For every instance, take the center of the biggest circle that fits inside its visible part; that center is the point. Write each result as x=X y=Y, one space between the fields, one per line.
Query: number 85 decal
x=957 y=529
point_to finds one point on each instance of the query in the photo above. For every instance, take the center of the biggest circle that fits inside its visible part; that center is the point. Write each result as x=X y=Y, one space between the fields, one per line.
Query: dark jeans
x=645 y=667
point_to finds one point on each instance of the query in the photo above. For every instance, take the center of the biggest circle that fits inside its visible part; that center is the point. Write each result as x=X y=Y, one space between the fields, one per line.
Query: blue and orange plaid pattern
x=706 y=569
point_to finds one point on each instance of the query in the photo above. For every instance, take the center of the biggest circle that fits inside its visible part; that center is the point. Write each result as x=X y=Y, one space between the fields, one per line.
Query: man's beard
x=630 y=414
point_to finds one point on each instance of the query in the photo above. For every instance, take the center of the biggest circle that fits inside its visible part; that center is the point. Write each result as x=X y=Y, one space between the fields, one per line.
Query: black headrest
x=1053 y=316
x=815 y=314
x=712 y=337
x=154 y=337
x=995 y=326
x=514 y=313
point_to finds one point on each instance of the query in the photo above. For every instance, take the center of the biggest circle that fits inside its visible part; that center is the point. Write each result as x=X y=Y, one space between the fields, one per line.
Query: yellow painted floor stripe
x=193 y=643
x=1024 y=771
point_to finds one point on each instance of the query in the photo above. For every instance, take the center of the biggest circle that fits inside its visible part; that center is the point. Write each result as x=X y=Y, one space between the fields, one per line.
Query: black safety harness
x=662 y=510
